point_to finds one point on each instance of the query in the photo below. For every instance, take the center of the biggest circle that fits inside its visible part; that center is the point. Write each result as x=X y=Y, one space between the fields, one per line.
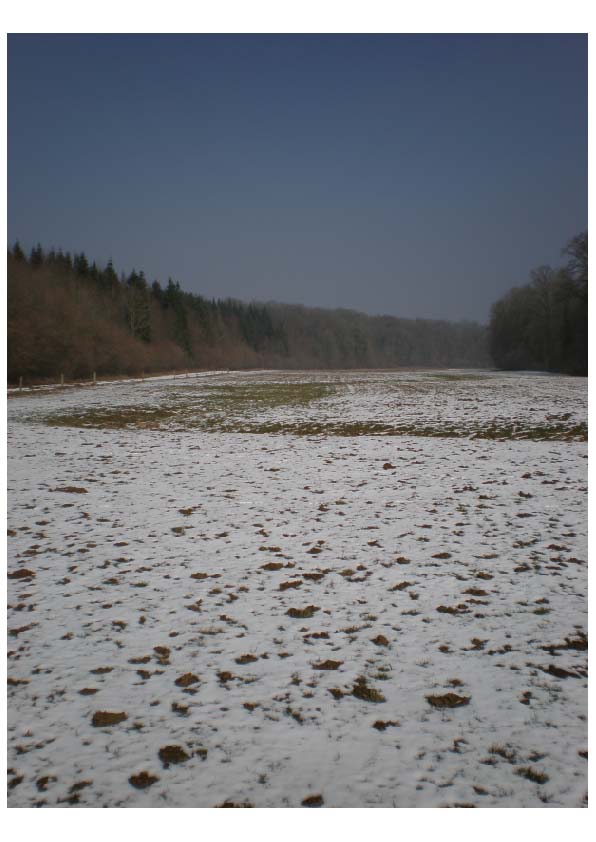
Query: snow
x=113 y=581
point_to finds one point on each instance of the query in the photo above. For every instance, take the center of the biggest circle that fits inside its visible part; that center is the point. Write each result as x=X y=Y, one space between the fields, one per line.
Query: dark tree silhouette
x=544 y=325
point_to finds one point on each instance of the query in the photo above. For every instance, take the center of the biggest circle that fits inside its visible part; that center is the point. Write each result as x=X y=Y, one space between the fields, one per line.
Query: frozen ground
x=160 y=532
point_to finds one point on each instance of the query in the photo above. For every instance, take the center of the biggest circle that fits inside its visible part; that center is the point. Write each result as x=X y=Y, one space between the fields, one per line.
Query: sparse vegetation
x=361 y=690
x=531 y=774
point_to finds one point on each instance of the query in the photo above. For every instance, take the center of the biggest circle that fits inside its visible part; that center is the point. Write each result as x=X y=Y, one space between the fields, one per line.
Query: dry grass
x=362 y=691
x=531 y=774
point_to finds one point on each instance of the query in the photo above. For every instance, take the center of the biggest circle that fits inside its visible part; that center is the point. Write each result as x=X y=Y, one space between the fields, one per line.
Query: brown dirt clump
x=22 y=573
x=337 y=693
x=103 y=718
x=196 y=606
x=70 y=489
x=313 y=577
x=172 y=754
x=294 y=583
x=272 y=565
x=303 y=613
x=401 y=586
x=448 y=700
x=381 y=725
x=142 y=780
x=225 y=676
x=186 y=680
x=559 y=672
x=327 y=665
x=246 y=659
x=579 y=644
x=450 y=609
x=361 y=690
x=380 y=640
x=313 y=801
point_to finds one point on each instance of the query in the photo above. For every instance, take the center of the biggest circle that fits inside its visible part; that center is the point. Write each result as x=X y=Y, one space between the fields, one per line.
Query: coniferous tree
x=36 y=256
x=109 y=278
x=80 y=264
x=18 y=252
x=138 y=306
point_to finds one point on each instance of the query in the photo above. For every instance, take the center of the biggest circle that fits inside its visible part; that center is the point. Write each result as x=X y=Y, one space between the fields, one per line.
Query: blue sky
x=418 y=176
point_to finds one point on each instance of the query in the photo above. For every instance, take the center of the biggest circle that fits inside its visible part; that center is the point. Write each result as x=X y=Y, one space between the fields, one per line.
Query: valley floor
x=226 y=590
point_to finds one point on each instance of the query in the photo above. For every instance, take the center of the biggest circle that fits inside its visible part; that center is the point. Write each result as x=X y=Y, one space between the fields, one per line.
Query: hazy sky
x=409 y=175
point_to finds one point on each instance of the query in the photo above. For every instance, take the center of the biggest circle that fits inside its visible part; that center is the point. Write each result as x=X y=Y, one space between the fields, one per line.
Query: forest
x=544 y=324
x=67 y=315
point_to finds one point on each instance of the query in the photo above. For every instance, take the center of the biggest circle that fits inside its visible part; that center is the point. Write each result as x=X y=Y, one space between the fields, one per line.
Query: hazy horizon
x=403 y=175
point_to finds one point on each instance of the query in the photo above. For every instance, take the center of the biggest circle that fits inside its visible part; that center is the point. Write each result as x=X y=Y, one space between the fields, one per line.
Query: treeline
x=68 y=315
x=544 y=325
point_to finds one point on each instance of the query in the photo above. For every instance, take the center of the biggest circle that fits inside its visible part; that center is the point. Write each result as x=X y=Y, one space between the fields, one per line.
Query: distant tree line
x=544 y=324
x=69 y=315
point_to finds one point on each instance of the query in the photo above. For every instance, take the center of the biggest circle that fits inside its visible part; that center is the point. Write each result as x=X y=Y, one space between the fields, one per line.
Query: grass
x=362 y=691
x=156 y=419
x=532 y=775
x=216 y=408
x=240 y=409
x=505 y=752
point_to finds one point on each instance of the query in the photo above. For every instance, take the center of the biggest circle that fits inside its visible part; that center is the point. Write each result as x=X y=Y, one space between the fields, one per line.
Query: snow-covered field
x=163 y=533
